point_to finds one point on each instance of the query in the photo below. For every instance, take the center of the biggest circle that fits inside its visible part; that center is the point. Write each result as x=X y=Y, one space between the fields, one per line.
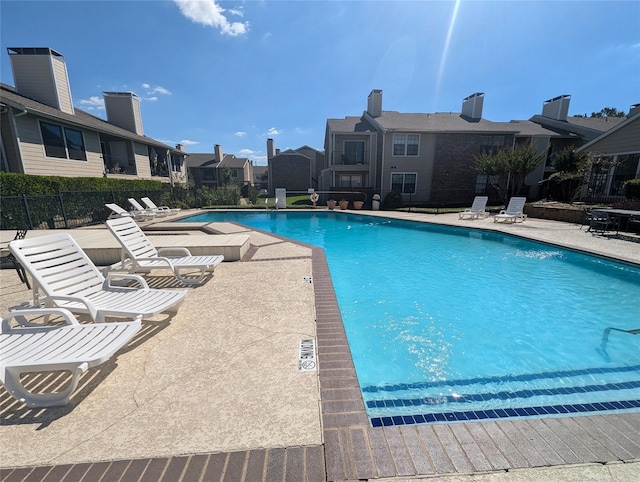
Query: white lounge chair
x=158 y=209
x=513 y=212
x=71 y=347
x=121 y=212
x=477 y=208
x=69 y=279
x=141 y=256
x=140 y=210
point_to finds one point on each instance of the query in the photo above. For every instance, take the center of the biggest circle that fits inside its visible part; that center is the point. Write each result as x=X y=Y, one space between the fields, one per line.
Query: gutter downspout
x=170 y=168
x=384 y=138
x=15 y=131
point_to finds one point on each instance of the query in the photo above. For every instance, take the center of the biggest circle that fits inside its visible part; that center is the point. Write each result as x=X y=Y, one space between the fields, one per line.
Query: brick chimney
x=271 y=148
x=218 y=151
x=41 y=74
x=374 y=103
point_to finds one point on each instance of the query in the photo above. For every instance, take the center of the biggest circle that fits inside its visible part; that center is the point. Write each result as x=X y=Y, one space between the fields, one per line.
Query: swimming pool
x=450 y=323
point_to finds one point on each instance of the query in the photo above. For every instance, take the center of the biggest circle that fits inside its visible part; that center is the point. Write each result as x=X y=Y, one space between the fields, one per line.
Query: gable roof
x=80 y=118
x=230 y=160
x=202 y=160
x=587 y=127
x=632 y=122
x=350 y=124
x=208 y=160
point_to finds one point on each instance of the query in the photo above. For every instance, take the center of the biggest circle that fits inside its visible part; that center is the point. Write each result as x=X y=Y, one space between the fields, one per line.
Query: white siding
x=142 y=160
x=62 y=86
x=35 y=161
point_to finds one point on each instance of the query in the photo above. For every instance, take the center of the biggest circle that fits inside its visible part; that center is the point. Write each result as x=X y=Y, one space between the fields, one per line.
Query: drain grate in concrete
x=307 y=357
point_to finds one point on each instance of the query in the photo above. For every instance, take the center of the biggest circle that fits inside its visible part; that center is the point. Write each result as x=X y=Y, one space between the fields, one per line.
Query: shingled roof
x=10 y=97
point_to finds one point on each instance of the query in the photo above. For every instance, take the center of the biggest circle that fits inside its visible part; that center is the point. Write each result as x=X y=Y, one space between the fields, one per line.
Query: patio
x=234 y=406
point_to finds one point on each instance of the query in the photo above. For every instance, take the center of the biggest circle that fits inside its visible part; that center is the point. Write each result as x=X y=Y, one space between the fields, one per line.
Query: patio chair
x=141 y=256
x=477 y=208
x=119 y=211
x=602 y=221
x=10 y=258
x=68 y=279
x=140 y=210
x=158 y=209
x=513 y=212
x=26 y=347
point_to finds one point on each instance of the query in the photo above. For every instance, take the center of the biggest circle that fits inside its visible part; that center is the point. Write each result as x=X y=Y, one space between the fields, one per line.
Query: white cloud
x=151 y=99
x=240 y=134
x=187 y=142
x=246 y=152
x=92 y=103
x=152 y=91
x=260 y=160
x=273 y=132
x=210 y=14
x=159 y=90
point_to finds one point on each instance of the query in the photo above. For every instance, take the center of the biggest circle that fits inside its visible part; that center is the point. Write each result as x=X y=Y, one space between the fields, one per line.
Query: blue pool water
x=445 y=320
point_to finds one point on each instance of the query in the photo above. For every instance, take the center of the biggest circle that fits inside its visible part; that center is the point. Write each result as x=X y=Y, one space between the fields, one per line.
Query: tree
x=571 y=169
x=226 y=175
x=508 y=168
x=609 y=112
x=574 y=170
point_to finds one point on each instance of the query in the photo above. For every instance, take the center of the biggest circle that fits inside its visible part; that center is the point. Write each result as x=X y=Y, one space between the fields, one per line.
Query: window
x=492 y=144
x=353 y=152
x=350 y=180
x=64 y=143
x=406 y=144
x=483 y=181
x=403 y=182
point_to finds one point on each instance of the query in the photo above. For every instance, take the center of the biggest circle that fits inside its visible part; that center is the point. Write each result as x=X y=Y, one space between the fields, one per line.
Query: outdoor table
x=621 y=214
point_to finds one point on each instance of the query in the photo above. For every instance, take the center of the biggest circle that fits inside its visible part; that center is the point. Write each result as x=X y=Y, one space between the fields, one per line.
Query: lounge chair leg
x=53 y=399
x=191 y=281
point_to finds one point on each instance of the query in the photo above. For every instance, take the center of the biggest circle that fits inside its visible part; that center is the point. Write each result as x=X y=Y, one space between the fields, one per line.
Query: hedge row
x=12 y=184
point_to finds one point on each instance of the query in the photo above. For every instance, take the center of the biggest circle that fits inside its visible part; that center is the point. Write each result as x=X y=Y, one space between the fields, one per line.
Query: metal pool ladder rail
x=605 y=335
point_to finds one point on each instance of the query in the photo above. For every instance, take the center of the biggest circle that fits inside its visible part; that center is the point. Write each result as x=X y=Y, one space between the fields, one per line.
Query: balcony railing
x=117 y=165
x=342 y=159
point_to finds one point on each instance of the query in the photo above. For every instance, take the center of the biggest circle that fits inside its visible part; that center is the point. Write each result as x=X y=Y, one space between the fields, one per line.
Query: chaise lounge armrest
x=180 y=251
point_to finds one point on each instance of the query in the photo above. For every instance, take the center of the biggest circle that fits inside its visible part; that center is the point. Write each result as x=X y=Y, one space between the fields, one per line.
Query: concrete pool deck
x=216 y=391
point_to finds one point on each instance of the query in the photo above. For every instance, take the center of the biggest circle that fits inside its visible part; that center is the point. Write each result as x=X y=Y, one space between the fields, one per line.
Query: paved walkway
x=233 y=405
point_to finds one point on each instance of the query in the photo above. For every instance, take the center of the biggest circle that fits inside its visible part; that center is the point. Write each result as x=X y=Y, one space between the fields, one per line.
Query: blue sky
x=236 y=73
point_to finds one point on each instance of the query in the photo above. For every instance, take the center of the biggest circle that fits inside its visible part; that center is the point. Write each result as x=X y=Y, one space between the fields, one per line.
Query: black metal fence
x=69 y=209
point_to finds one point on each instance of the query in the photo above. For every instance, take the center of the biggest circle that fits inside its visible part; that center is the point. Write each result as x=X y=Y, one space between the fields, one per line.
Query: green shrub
x=632 y=189
x=393 y=200
x=222 y=196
